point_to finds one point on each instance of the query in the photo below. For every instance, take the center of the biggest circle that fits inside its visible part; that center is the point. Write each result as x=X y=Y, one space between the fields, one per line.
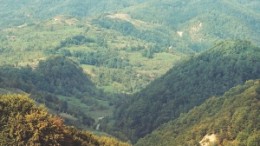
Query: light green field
x=96 y=109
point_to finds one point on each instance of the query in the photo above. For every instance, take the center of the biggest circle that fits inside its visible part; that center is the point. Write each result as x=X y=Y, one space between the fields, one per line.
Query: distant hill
x=188 y=84
x=231 y=119
x=24 y=11
x=187 y=26
x=202 y=22
x=24 y=123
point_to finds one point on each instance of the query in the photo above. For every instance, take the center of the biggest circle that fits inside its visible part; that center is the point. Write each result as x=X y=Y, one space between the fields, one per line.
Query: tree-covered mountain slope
x=24 y=11
x=24 y=123
x=65 y=75
x=187 y=25
x=186 y=85
x=56 y=75
x=178 y=12
x=198 y=22
x=62 y=86
x=231 y=119
x=202 y=22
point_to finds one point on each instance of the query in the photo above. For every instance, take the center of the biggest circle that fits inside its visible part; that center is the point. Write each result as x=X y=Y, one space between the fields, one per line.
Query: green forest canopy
x=58 y=83
x=233 y=118
x=186 y=85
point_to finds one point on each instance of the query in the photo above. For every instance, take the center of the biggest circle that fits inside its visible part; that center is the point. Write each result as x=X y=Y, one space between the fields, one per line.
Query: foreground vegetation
x=24 y=123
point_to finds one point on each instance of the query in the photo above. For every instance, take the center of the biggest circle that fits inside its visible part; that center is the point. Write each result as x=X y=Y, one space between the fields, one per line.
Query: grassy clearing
x=98 y=108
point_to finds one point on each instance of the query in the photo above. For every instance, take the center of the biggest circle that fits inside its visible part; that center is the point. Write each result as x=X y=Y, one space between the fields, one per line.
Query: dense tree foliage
x=48 y=81
x=233 y=118
x=28 y=11
x=56 y=75
x=125 y=27
x=63 y=76
x=107 y=58
x=156 y=35
x=23 y=123
x=75 y=40
x=188 y=84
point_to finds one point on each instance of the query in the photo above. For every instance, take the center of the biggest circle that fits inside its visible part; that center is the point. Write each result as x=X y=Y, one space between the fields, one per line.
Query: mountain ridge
x=231 y=118
x=186 y=85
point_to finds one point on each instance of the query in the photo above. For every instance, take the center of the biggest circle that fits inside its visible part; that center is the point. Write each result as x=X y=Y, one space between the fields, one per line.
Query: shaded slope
x=57 y=82
x=63 y=76
x=233 y=118
x=187 y=85
x=57 y=75
x=23 y=123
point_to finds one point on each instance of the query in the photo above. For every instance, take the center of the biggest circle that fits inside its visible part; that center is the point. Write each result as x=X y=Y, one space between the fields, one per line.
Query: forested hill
x=188 y=84
x=63 y=76
x=198 y=22
x=58 y=83
x=231 y=119
x=24 y=11
x=202 y=22
x=177 y=13
x=56 y=75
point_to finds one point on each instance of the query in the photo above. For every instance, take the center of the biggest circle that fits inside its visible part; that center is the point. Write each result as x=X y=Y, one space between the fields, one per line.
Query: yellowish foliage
x=23 y=123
